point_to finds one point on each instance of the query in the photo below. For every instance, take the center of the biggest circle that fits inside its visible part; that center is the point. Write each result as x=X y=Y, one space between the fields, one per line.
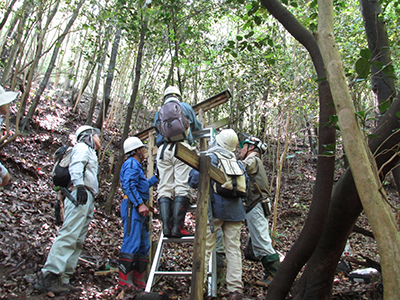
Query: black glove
x=81 y=195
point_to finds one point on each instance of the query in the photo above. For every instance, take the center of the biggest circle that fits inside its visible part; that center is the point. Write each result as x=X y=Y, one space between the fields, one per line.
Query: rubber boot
x=51 y=283
x=270 y=264
x=138 y=274
x=181 y=205
x=126 y=265
x=165 y=210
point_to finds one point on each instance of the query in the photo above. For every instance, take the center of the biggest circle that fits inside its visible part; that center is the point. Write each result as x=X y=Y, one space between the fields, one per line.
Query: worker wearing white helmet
x=174 y=122
x=67 y=247
x=5 y=99
x=135 y=248
x=228 y=214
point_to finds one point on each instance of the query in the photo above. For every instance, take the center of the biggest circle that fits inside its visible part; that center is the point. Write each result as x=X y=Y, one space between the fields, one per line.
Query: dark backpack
x=235 y=184
x=172 y=123
x=60 y=173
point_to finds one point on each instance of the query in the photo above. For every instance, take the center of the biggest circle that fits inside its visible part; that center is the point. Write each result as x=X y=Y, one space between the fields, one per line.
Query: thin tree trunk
x=110 y=76
x=27 y=7
x=101 y=59
x=41 y=33
x=89 y=72
x=129 y=112
x=51 y=65
x=7 y=14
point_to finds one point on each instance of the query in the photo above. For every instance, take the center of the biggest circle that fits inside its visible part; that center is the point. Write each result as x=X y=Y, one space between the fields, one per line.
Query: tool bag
x=235 y=184
x=172 y=123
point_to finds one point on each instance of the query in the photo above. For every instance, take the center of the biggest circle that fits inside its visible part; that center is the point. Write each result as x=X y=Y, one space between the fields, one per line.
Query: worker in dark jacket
x=228 y=214
x=134 y=253
x=256 y=218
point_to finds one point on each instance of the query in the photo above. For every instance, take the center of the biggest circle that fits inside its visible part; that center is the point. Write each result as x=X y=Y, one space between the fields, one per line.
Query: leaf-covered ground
x=28 y=227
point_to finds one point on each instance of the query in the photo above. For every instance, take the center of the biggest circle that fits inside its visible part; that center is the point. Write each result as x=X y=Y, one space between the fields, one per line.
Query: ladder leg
x=156 y=263
x=212 y=277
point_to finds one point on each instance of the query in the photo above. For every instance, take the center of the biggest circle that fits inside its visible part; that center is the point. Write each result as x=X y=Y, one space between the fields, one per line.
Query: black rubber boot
x=181 y=205
x=271 y=264
x=165 y=205
x=138 y=274
x=126 y=266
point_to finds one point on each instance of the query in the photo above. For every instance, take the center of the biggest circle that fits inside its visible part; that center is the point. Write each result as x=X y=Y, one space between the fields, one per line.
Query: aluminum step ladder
x=154 y=270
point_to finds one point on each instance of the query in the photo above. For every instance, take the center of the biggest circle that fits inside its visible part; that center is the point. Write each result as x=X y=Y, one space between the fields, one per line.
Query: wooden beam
x=213 y=101
x=220 y=123
x=205 y=105
x=191 y=158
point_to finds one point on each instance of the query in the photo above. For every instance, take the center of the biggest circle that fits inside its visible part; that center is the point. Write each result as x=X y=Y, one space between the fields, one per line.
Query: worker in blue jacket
x=134 y=253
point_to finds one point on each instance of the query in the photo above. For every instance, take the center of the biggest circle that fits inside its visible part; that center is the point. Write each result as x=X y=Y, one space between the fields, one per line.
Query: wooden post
x=150 y=172
x=199 y=246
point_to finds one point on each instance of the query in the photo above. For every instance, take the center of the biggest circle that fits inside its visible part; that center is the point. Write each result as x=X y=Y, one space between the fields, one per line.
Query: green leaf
x=361 y=114
x=362 y=67
x=398 y=114
x=384 y=106
x=371 y=136
x=328 y=153
x=333 y=119
x=330 y=147
x=365 y=53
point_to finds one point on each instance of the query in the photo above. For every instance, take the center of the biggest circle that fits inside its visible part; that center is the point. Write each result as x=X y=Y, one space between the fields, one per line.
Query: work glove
x=81 y=195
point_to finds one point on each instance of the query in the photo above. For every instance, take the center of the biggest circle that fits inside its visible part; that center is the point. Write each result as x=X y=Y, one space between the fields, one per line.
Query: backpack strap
x=164 y=146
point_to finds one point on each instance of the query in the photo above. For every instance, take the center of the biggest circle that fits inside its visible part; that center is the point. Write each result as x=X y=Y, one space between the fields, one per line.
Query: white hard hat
x=86 y=128
x=227 y=139
x=132 y=143
x=172 y=91
x=7 y=97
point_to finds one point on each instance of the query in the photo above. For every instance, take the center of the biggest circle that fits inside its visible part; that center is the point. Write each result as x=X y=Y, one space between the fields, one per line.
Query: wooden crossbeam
x=212 y=102
x=205 y=105
x=191 y=158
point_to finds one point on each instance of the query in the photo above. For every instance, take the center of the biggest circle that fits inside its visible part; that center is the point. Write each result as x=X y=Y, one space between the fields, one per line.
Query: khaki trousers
x=231 y=237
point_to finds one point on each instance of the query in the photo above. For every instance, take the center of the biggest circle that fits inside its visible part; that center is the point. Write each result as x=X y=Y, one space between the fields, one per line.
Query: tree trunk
x=89 y=72
x=378 y=43
x=7 y=14
x=110 y=76
x=26 y=8
x=363 y=168
x=309 y=236
x=101 y=59
x=51 y=65
x=41 y=33
x=129 y=113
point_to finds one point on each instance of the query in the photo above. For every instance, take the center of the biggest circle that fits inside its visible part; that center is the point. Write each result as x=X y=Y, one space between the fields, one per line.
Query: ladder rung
x=178 y=273
x=184 y=239
x=173 y=273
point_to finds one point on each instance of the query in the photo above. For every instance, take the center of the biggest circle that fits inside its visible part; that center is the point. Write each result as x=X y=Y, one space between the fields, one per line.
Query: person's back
x=174 y=193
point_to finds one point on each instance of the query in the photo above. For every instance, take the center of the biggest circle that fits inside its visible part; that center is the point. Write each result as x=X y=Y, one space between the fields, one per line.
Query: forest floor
x=28 y=227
